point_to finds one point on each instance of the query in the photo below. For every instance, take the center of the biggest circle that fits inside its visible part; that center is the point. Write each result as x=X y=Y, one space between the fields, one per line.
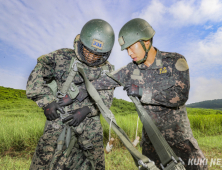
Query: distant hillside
x=9 y=93
x=208 y=104
x=16 y=98
x=122 y=107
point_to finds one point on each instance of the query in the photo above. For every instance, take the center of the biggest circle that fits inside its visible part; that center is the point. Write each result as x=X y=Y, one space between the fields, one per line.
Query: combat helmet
x=136 y=30
x=97 y=39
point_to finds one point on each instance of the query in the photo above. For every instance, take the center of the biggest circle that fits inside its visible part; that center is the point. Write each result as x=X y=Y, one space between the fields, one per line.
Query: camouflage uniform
x=55 y=66
x=165 y=91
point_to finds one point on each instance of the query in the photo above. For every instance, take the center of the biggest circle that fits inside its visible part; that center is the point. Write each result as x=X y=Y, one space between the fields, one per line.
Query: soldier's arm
x=106 y=85
x=174 y=90
x=36 y=88
x=106 y=95
x=106 y=82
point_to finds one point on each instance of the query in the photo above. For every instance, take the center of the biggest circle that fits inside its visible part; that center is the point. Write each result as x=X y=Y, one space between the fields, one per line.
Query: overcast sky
x=29 y=29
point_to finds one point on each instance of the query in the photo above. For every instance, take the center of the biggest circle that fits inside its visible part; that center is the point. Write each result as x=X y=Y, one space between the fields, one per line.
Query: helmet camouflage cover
x=97 y=39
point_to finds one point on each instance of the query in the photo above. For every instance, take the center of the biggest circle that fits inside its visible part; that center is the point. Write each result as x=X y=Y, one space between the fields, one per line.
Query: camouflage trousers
x=47 y=156
x=187 y=150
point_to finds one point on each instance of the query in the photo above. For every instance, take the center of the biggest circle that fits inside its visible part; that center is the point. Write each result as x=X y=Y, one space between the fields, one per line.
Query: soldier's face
x=136 y=51
x=90 y=57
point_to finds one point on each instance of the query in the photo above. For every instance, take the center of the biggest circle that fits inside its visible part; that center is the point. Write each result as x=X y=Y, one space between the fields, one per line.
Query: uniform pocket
x=164 y=84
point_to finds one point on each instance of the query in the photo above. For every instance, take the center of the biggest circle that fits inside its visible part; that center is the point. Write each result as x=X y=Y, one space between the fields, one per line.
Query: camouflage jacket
x=55 y=66
x=165 y=86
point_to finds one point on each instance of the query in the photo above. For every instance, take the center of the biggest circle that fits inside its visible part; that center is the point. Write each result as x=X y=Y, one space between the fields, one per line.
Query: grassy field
x=22 y=128
x=22 y=124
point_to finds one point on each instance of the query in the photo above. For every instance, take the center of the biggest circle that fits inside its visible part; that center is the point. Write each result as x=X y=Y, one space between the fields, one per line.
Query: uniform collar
x=156 y=64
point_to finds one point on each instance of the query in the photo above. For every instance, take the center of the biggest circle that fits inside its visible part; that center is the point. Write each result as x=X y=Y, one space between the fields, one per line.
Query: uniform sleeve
x=36 y=89
x=106 y=95
x=106 y=82
x=173 y=91
x=107 y=98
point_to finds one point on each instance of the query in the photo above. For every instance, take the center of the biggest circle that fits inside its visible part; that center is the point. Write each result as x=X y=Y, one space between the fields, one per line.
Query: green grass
x=22 y=123
x=9 y=93
x=206 y=125
x=200 y=111
x=117 y=159
x=127 y=123
x=20 y=129
x=11 y=163
x=122 y=107
x=211 y=142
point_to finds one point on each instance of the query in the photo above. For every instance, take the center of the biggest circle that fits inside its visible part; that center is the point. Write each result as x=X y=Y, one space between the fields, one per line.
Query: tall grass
x=22 y=124
x=206 y=125
x=201 y=111
x=21 y=129
x=127 y=123
x=10 y=163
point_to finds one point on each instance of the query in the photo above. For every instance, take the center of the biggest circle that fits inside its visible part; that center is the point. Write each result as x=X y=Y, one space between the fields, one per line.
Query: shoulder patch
x=181 y=64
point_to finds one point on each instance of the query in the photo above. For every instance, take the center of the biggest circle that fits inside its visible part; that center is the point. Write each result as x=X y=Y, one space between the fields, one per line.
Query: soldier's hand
x=50 y=111
x=77 y=116
x=65 y=101
x=133 y=90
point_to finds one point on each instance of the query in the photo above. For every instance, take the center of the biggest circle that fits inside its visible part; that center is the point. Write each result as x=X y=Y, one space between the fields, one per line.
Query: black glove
x=50 y=111
x=65 y=101
x=82 y=95
x=78 y=116
x=133 y=90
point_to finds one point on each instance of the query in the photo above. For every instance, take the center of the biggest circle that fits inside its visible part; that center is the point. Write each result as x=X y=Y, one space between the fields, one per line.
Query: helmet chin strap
x=146 y=51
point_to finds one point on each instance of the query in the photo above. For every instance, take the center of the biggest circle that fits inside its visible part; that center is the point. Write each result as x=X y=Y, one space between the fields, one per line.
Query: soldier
x=77 y=144
x=161 y=81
